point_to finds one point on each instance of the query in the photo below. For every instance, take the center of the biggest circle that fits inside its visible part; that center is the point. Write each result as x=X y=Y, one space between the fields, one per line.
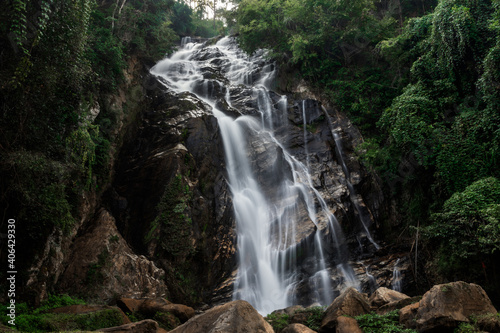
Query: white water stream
x=270 y=256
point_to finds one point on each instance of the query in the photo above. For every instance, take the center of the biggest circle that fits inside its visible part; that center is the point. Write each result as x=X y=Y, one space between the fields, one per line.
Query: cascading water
x=396 y=278
x=365 y=221
x=274 y=262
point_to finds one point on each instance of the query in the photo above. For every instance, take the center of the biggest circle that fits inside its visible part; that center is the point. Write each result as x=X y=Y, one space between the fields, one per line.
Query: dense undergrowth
x=41 y=319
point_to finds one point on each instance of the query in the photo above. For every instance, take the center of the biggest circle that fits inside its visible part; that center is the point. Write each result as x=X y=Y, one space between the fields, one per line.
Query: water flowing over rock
x=293 y=189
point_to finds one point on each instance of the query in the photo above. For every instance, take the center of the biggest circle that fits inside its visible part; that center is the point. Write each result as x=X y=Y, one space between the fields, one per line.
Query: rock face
x=170 y=197
x=236 y=316
x=350 y=303
x=103 y=264
x=445 y=306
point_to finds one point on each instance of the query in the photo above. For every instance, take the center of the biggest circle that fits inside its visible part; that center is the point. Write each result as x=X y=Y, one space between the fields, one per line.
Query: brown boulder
x=383 y=296
x=129 y=305
x=297 y=328
x=350 y=303
x=408 y=315
x=151 y=306
x=347 y=325
x=398 y=304
x=445 y=306
x=144 y=326
x=236 y=316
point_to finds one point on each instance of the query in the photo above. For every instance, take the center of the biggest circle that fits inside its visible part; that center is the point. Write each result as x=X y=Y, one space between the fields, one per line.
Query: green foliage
x=40 y=319
x=313 y=318
x=81 y=150
x=468 y=230
x=278 y=321
x=387 y=323
x=172 y=226
x=40 y=184
x=182 y=21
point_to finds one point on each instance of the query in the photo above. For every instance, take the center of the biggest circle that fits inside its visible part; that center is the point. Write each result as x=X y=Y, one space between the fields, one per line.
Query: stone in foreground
x=347 y=325
x=350 y=303
x=383 y=296
x=236 y=316
x=445 y=306
x=297 y=328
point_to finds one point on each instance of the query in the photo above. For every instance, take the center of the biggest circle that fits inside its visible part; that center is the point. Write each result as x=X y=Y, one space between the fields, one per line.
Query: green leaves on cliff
x=468 y=230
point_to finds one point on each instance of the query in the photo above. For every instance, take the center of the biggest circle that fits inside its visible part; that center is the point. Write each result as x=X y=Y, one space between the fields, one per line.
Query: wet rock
x=176 y=148
x=383 y=296
x=297 y=328
x=350 y=303
x=236 y=316
x=347 y=325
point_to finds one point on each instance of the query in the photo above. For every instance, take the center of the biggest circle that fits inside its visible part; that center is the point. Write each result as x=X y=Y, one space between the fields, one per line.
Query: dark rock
x=398 y=304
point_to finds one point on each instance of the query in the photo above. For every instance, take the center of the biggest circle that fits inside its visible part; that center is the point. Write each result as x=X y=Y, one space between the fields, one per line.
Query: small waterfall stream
x=276 y=257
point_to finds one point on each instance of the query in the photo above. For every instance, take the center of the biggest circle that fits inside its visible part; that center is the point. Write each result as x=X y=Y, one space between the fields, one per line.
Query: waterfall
x=396 y=278
x=372 y=282
x=362 y=213
x=288 y=240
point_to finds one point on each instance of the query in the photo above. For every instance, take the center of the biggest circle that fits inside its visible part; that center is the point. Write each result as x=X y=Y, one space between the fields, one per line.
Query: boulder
x=143 y=326
x=152 y=306
x=129 y=305
x=236 y=316
x=383 y=296
x=445 y=306
x=347 y=325
x=408 y=315
x=398 y=304
x=350 y=303
x=297 y=328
